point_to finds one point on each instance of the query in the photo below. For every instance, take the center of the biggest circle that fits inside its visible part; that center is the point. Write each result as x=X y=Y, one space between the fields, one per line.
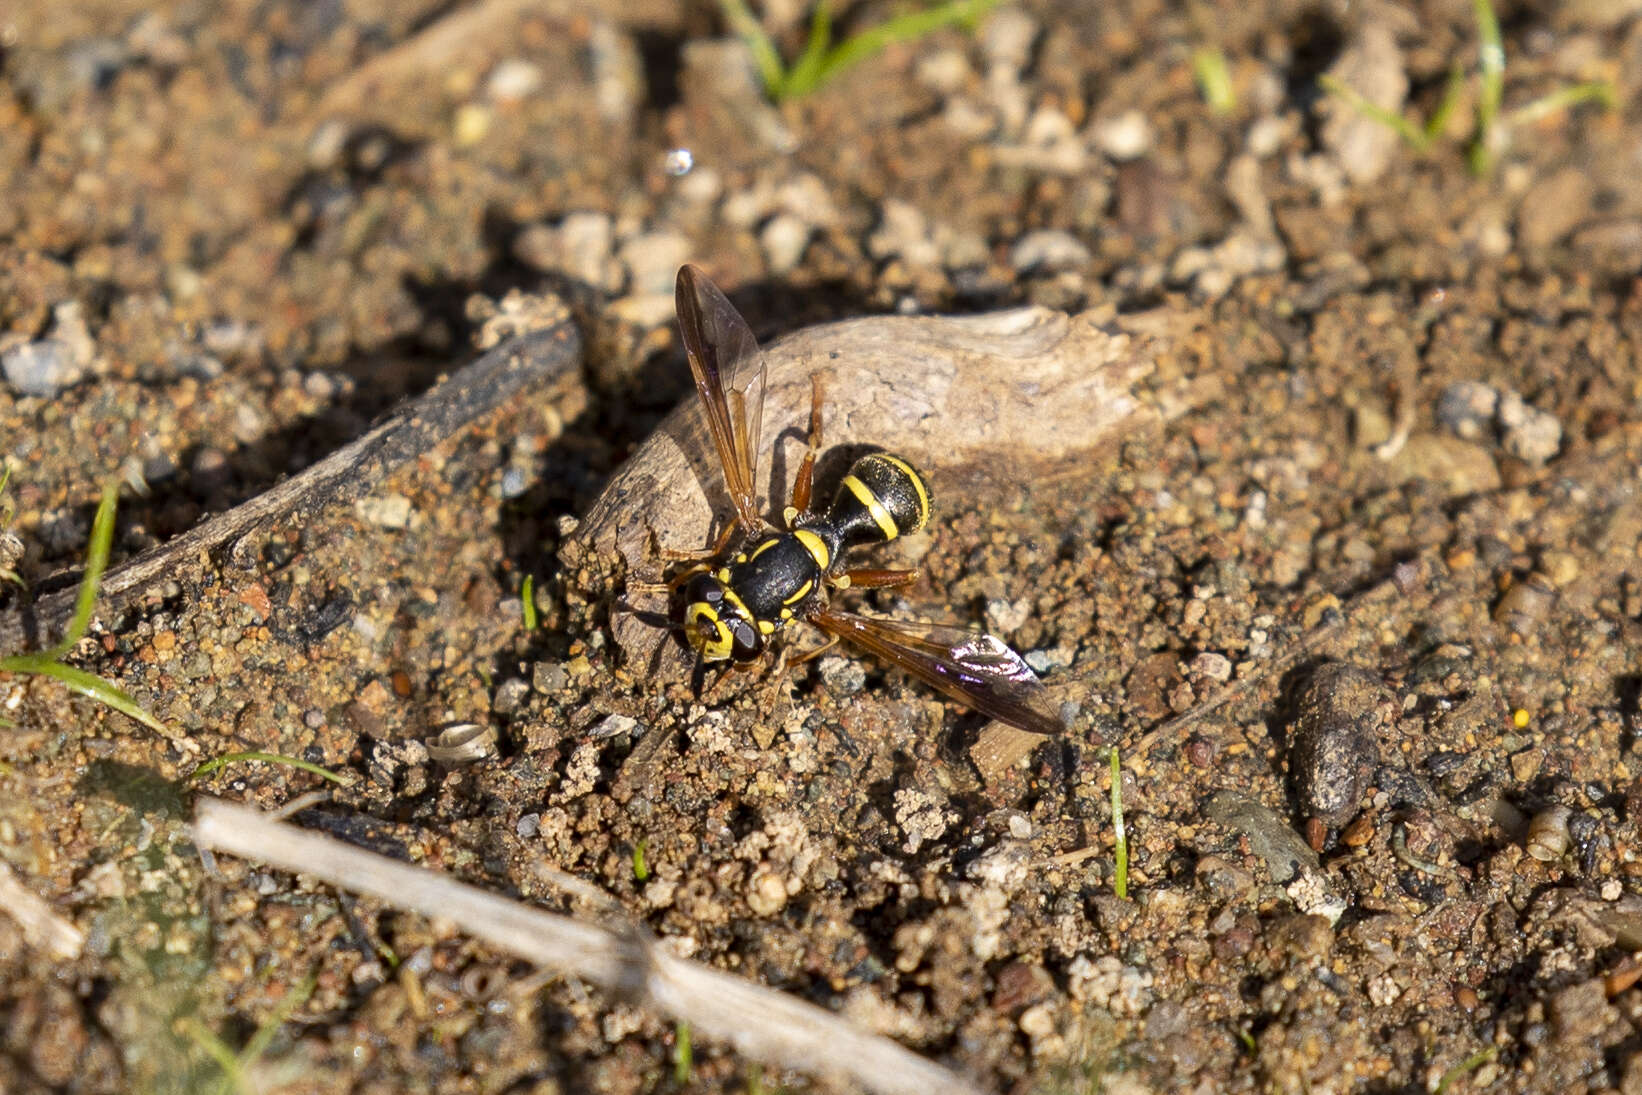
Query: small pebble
x=1341 y=714
x=1048 y=250
x=1526 y=432
x=510 y=695
x=1124 y=138
x=1372 y=66
x=388 y=511
x=613 y=726
x=843 y=676
x=515 y=482
x=1199 y=751
x=1210 y=666
x=471 y=125
x=1524 y=606
x=1007 y=37
x=548 y=677
x=766 y=893
x=1038 y=1021
x=210 y=471
x=1467 y=409
x=784 y=238
x=43 y=368
x=678 y=161
x=196 y=364
x=513 y=80
x=579 y=247
x=903 y=232
x=652 y=260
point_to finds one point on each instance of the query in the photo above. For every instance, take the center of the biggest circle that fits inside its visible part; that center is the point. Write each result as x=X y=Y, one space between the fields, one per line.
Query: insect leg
x=673 y=555
x=803 y=482
x=870 y=578
x=811 y=655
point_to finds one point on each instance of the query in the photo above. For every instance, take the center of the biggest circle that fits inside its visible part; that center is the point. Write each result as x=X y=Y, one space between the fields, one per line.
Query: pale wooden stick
x=476 y=389
x=761 y=1023
x=42 y=925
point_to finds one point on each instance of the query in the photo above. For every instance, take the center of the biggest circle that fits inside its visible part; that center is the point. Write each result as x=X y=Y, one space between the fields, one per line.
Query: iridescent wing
x=729 y=372
x=976 y=669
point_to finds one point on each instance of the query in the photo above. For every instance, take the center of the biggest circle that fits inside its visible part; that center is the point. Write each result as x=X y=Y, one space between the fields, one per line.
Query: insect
x=731 y=608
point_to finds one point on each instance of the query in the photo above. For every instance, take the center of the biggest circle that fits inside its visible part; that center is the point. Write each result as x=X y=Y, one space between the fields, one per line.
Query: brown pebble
x=1341 y=713
x=1359 y=832
x=256 y=599
x=1524 y=606
x=1199 y=751
x=1316 y=833
x=1235 y=943
x=1622 y=976
x=1302 y=936
x=1465 y=997
x=1019 y=986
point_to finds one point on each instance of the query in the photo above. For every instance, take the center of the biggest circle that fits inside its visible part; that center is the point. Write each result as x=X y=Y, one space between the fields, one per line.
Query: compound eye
x=702 y=589
x=746 y=640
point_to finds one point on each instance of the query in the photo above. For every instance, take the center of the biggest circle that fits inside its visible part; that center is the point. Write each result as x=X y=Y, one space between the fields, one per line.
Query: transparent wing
x=729 y=372
x=976 y=669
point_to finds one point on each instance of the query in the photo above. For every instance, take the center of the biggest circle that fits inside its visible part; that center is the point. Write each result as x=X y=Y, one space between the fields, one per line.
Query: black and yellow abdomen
x=880 y=498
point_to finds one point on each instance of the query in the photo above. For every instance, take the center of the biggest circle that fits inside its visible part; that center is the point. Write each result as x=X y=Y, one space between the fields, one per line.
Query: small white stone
x=1038 y=1021
x=767 y=893
x=512 y=80
x=1123 y=138
x=784 y=238
x=1049 y=250
x=389 y=511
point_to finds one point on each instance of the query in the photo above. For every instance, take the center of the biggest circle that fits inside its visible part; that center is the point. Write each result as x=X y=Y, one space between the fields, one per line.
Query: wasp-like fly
x=730 y=608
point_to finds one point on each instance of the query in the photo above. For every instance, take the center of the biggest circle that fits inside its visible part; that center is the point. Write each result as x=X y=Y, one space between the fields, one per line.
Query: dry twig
x=351 y=471
x=762 y=1024
x=41 y=924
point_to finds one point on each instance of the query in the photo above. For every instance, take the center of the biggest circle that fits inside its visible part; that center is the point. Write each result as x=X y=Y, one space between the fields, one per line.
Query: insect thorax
x=778 y=576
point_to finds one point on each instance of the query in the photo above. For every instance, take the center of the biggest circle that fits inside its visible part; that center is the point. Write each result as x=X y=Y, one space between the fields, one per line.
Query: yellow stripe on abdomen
x=917 y=485
x=864 y=495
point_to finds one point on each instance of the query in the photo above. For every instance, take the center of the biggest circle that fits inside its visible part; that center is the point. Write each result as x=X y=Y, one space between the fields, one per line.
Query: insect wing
x=977 y=669
x=729 y=371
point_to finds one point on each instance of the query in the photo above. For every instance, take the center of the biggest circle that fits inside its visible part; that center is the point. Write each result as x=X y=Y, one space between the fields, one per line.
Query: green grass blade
x=1491 y=66
x=1120 y=835
x=219 y=1052
x=1214 y=80
x=806 y=73
x=903 y=28
x=1452 y=93
x=264 y=1036
x=527 y=597
x=746 y=26
x=216 y=763
x=1408 y=131
x=1595 y=91
x=102 y=537
x=683 y=1055
x=84 y=683
x=1470 y=1064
